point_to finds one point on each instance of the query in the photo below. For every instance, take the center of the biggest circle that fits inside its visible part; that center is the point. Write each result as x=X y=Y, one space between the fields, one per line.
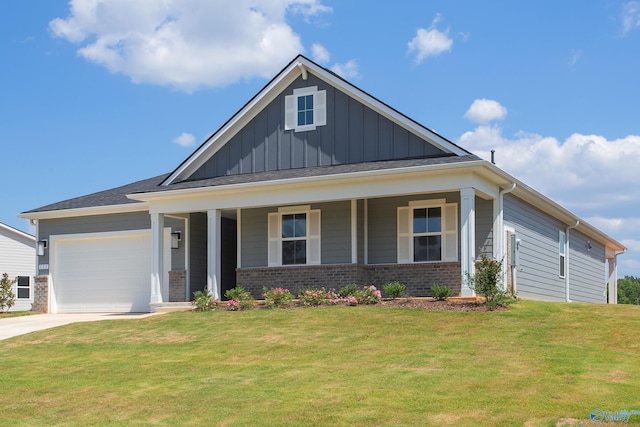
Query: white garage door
x=102 y=272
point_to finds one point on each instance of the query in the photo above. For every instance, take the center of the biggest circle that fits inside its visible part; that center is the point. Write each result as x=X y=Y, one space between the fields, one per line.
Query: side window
x=561 y=251
x=23 y=287
x=294 y=236
x=306 y=109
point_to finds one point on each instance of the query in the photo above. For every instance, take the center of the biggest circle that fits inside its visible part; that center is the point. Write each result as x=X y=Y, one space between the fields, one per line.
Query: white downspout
x=566 y=259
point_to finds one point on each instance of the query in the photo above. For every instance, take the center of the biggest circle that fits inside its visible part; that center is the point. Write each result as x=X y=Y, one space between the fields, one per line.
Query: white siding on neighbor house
x=18 y=258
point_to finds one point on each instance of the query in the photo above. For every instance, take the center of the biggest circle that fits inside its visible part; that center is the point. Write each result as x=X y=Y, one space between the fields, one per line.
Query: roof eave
x=88 y=211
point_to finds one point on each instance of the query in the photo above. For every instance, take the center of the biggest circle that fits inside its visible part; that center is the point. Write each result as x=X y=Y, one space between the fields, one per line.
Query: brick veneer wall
x=418 y=278
x=40 y=294
x=177 y=285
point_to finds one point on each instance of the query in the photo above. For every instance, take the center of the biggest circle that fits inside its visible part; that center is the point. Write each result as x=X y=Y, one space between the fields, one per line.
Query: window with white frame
x=305 y=109
x=23 y=287
x=294 y=236
x=428 y=231
x=561 y=251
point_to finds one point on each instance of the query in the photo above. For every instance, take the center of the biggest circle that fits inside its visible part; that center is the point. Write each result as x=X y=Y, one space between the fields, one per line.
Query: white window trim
x=562 y=254
x=319 y=109
x=448 y=231
x=312 y=238
x=30 y=287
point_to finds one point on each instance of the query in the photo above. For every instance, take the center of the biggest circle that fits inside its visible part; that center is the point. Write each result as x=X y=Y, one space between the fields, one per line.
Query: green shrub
x=349 y=290
x=394 y=289
x=203 y=301
x=7 y=297
x=441 y=292
x=277 y=297
x=487 y=282
x=311 y=296
x=239 y=299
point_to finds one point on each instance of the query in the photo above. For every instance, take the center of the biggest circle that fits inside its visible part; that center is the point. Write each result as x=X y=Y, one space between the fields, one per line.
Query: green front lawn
x=535 y=364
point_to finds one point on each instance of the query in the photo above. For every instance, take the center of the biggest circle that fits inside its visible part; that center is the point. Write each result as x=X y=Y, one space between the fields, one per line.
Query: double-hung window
x=23 y=287
x=428 y=231
x=561 y=252
x=305 y=109
x=294 y=236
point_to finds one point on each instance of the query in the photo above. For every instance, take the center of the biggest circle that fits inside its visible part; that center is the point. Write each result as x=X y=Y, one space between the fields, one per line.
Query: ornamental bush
x=239 y=299
x=487 y=281
x=441 y=292
x=368 y=295
x=311 y=297
x=203 y=301
x=349 y=290
x=7 y=297
x=394 y=289
x=277 y=297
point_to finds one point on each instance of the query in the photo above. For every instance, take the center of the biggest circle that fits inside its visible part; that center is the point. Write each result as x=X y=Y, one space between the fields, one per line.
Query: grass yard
x=539 y=364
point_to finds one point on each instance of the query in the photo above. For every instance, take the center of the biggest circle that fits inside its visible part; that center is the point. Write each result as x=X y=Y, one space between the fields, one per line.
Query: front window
x=294 y=239
x=427 y=234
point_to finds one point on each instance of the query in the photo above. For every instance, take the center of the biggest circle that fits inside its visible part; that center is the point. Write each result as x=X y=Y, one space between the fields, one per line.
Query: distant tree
x=7 y=297
x=629 y=290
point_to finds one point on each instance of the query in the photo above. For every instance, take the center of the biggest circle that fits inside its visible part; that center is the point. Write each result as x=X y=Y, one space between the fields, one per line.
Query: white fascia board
x=17 y=232
x=237 y=122
x=95 y=210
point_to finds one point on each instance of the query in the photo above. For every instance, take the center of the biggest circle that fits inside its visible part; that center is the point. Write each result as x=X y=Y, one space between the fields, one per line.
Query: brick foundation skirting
x=177 y=286
x=40 y=294
x=418 y=278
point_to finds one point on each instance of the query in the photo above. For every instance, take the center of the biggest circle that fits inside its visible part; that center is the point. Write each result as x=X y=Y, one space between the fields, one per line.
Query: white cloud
x=575 y=57
x=185 y=139
x=430 y=42
x=320 y=53
x=485 y=110
x=186 y=43
x=630 y=16
x=348 y=70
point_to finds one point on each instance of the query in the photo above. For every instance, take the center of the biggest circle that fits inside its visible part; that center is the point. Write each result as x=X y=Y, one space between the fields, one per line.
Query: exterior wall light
x=176 y=236
x=42 y=246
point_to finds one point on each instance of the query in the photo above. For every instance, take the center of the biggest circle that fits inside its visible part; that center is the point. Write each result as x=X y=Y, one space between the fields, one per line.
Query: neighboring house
x=18 y=260
x=315 y=183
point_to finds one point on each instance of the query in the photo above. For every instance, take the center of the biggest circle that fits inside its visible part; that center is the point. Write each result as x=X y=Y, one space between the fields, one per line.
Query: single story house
x=314 y=183
x=18 y=260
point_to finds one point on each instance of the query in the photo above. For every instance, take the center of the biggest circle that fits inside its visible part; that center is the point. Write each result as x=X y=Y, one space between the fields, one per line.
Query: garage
x=101 y=272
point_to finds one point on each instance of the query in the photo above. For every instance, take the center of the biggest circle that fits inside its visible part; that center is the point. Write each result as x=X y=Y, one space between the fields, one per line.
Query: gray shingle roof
x=118 y=195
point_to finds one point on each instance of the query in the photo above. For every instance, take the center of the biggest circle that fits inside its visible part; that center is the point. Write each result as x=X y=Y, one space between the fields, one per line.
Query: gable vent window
x=305 y=109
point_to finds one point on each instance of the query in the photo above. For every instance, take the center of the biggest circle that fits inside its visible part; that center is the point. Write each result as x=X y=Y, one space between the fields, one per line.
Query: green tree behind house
x=629 y=290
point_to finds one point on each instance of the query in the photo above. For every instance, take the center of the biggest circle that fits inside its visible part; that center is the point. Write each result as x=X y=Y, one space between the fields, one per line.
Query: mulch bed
x=432 y=304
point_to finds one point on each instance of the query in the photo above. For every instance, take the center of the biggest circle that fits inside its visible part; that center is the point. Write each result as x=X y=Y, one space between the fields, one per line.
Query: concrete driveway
x=14 y=326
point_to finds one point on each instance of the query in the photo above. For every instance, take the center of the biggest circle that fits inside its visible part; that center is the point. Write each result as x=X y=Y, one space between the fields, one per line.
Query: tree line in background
x=629 y=290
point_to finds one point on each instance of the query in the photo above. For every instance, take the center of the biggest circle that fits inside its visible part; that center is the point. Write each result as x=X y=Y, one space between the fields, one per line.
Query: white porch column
x=157 y=257
x=467 y=237
x=354 y=231
x=214 y=221
x=613 y=279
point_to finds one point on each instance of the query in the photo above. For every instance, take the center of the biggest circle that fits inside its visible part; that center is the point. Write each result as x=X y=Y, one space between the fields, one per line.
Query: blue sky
x=100 y=93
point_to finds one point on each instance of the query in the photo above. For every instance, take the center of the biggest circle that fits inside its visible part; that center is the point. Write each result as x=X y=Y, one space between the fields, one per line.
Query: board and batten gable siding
x=17 y=256
x=354 y=133
x=335 y=234
x=538 y=271
x=587 y=282
x=383 y=224
x=91 y=224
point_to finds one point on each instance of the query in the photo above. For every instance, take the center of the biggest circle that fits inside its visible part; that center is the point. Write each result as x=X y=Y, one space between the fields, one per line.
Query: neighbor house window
x=305 y=109
x=23 y=287
x=294 y=236
x=428 y=231
x=561 y=251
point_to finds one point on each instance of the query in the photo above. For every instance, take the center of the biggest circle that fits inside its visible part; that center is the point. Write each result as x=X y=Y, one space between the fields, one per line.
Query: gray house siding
x=383 y=224
x=586 y=269
x=484 y=226
x=197 y=252
x=254 y=237
x=353 y=134
x=91 y=224
x=538 y=274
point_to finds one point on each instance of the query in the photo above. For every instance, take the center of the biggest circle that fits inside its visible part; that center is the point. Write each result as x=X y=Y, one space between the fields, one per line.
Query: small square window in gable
x=305 y=109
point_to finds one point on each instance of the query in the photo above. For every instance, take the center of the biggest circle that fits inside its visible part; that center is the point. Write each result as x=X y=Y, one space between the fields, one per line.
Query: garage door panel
x=110 y=273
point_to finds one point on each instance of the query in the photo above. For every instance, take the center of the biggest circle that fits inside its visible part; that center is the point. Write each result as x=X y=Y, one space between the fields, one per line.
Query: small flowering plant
x=203 y=301
x=369 y=295
x=311 y=297
x=277 y=297
x=239 y=299
x=233 y=305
